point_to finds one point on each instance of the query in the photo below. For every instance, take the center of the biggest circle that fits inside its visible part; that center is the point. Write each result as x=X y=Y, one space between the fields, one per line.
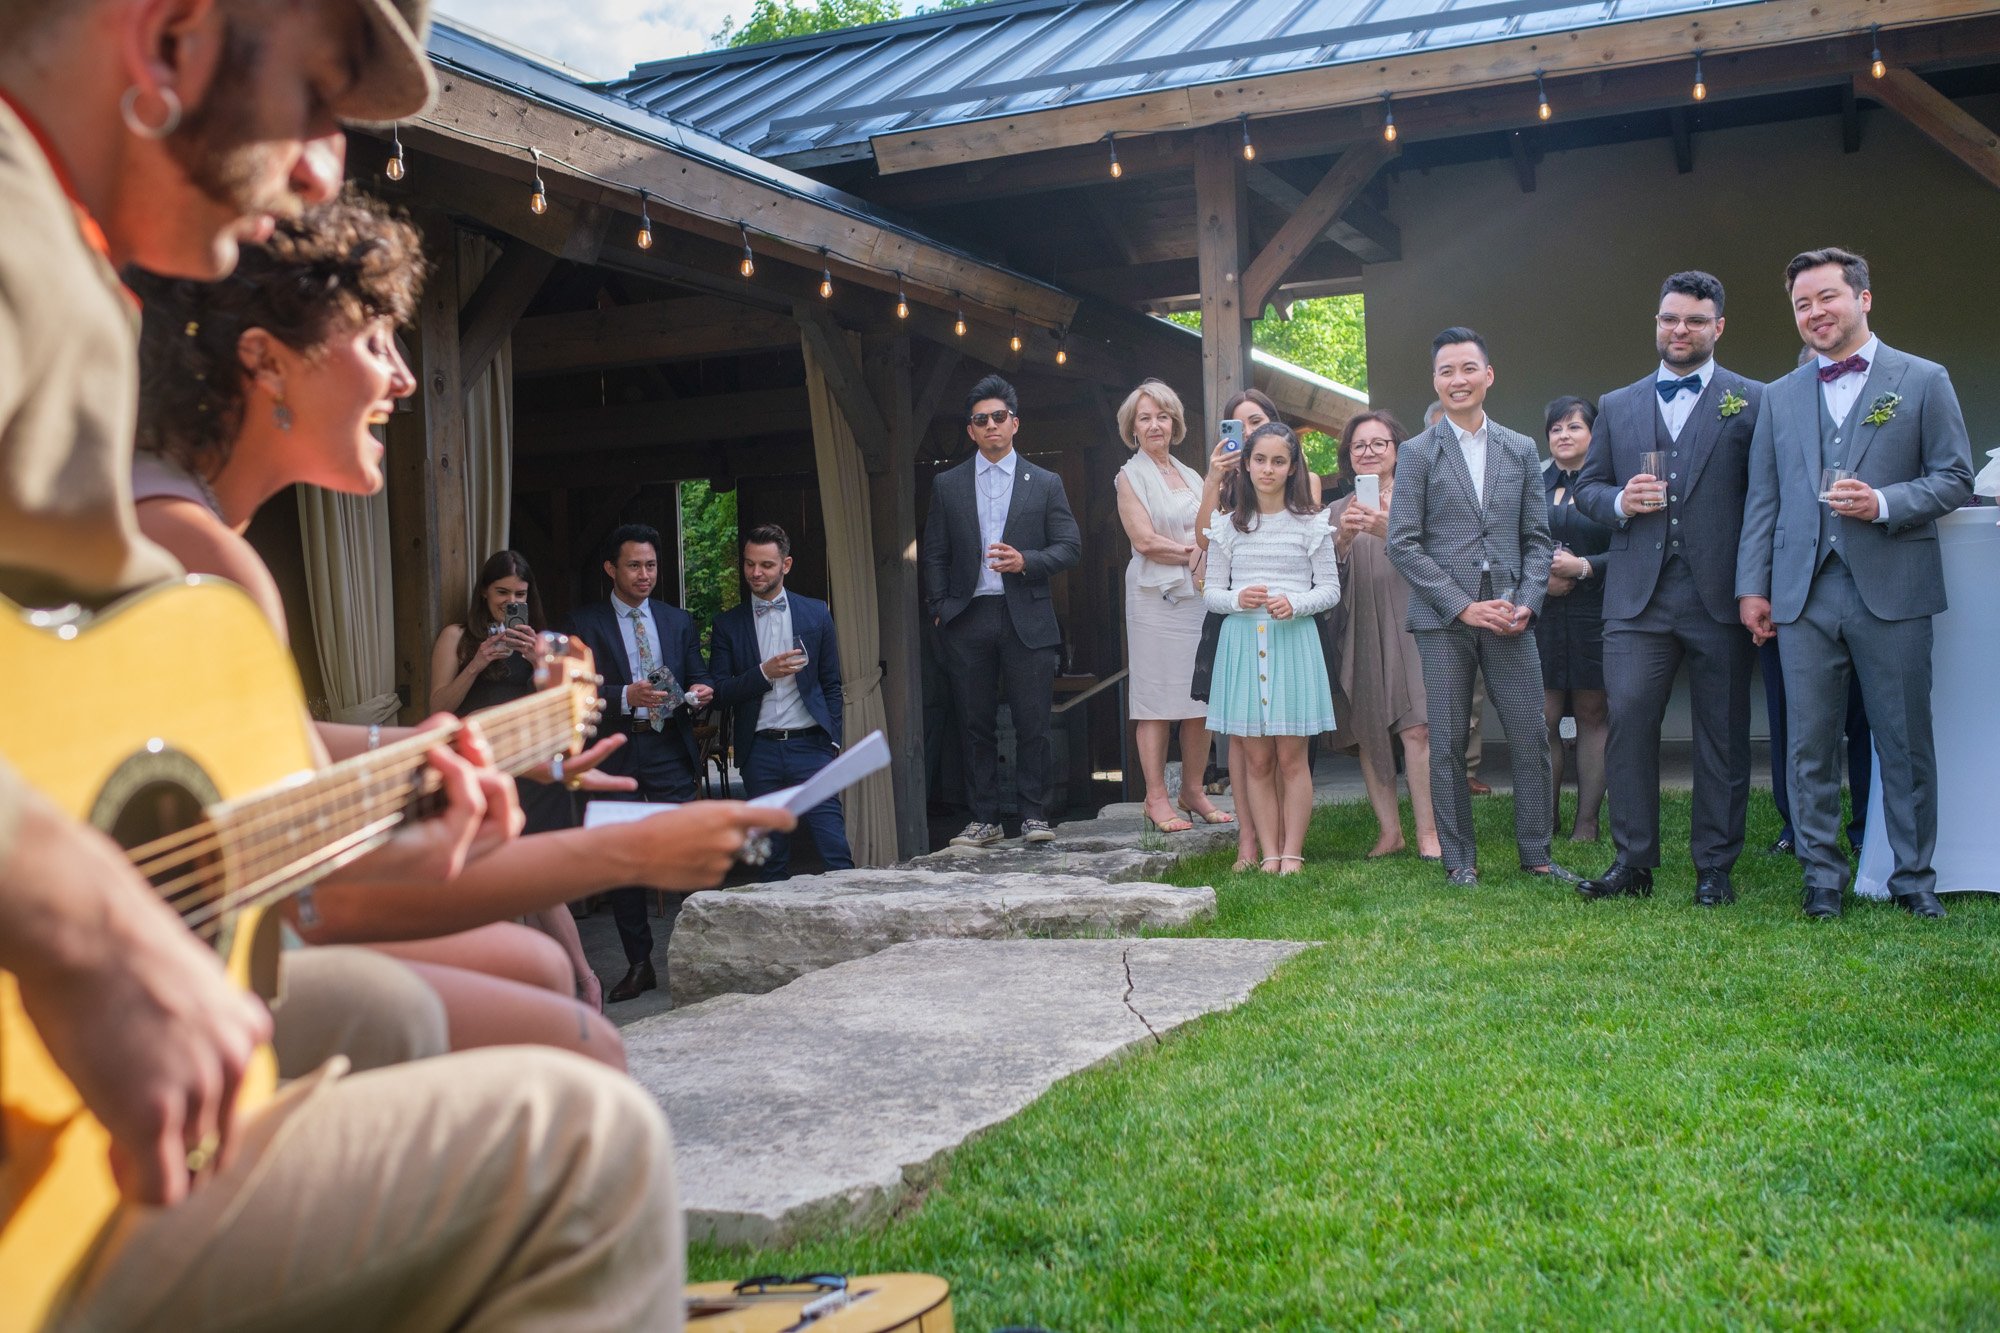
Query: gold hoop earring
x=128 y=111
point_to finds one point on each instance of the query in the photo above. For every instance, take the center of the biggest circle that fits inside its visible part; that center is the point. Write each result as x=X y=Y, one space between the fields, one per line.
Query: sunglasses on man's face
x=999 y=418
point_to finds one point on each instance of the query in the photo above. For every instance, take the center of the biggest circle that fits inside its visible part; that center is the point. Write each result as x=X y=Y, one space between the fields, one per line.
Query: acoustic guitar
x=173 y=721
x=822 y=1303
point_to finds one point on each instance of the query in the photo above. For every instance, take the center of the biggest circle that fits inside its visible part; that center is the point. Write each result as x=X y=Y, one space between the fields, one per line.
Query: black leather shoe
x=1621 y=881
x=1465 y=878
x=1823 y=904
x=1921 y=903
x=638 y=980
x=1782 y=847
x=1560 y=874
x=1712 y=889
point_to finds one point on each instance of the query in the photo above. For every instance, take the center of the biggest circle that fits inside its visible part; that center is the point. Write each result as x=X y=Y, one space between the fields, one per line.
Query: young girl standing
x=1271 y=569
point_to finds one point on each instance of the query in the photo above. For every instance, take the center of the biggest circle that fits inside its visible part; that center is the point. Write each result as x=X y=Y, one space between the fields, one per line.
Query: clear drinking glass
x=1828 y=476
x=799 y=647
x=1653 y=463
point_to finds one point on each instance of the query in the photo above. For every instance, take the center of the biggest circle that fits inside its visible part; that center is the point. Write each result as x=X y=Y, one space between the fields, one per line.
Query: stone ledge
x=822 y=1105
x=760 y=937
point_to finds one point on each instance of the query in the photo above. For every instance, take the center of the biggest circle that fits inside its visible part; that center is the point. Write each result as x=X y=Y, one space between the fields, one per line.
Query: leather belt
x=776 y=735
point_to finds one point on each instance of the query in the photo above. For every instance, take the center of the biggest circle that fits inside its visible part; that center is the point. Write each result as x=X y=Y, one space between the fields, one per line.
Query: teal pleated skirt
x=1270 y=678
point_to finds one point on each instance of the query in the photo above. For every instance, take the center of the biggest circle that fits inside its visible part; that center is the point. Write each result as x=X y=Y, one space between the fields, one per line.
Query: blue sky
x=603 y=38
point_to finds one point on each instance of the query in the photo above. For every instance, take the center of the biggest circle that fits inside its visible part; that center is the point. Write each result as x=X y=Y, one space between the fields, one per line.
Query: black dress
x=1570 y=632
x=547 y=805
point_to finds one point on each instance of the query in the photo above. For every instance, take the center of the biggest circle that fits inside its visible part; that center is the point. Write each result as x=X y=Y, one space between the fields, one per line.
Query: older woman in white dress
x=1157 y=499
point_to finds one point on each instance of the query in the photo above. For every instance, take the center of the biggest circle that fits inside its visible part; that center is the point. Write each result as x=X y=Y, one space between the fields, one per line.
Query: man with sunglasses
x=998 y=529
x=1668 y=467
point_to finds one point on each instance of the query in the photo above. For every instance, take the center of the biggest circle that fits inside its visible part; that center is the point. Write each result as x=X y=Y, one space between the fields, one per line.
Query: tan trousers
x=346 y=1000
x=513 y=1188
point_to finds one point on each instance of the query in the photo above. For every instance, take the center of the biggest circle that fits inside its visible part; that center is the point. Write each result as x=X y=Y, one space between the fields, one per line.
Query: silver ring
x=128 y=110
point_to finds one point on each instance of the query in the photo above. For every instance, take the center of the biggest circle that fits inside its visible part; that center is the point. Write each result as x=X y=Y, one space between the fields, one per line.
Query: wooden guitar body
x=875 y=1303
x=133 y=719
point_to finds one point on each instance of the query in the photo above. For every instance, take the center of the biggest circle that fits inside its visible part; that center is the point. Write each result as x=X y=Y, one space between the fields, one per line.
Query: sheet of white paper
x=870 y=755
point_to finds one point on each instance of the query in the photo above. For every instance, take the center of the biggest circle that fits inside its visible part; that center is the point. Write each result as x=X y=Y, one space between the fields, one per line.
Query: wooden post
x=1938 y=118
x=892 y=505
x=427 y=517
x=1225 y=325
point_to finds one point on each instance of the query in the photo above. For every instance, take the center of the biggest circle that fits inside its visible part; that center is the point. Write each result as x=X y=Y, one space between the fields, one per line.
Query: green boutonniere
x=1883 y=409
x=1733 y=402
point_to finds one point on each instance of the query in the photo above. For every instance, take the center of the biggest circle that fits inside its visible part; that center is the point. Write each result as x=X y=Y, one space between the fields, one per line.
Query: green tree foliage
x=773 y=20
x=1327 y=336
x=708 y=552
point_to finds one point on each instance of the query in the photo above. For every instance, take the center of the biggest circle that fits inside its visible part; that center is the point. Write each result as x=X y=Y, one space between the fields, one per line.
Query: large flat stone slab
x=1112 y=858
x=822 y=1105
x=760 y=937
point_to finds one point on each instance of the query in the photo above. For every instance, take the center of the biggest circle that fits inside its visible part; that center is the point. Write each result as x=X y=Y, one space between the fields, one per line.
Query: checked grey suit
x=1857 y=598
x=1671 y=597
x=1454 y=550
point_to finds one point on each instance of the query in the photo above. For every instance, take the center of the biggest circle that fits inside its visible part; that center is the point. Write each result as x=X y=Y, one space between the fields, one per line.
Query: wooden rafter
x=847 y=382
x=1938 y=118
x=650 y=332
x=496 y=307
x=1341 y=185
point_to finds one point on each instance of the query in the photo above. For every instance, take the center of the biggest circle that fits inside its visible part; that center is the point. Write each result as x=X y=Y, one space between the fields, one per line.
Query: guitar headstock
x=566 y=664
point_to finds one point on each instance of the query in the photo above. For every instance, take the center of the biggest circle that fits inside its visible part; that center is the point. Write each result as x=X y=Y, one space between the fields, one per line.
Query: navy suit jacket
x=739 y=675
x=679 y=650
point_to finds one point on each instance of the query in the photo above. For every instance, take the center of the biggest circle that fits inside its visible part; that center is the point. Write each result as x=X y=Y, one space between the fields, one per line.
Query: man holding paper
x=776 y=661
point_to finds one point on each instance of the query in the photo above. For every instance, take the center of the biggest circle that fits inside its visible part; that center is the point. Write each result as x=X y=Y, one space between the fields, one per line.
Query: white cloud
x=601 y=38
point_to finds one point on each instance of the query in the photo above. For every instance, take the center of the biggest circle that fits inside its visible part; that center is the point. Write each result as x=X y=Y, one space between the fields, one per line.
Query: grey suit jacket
x=1039 y=526
x=1717 y=461
x=1440 y=535
x=1920 y=460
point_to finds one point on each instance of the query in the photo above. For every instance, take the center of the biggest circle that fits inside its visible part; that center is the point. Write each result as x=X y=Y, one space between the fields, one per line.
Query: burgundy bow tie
x=1854 y=365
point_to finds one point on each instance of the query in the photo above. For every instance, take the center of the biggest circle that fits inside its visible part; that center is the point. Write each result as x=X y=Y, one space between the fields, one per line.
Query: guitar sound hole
x=155 y=795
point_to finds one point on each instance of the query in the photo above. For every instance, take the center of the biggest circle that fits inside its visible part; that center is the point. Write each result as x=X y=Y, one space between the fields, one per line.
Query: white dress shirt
x=1676 y=411
x=782 y=709
x=994 y=487
x=623 y=610
x=1472 y=444
x=1840 y=396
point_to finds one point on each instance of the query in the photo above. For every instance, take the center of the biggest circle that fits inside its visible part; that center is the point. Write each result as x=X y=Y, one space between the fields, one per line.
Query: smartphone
x=1232 y=435
x=1368 y=490
x=514 y=615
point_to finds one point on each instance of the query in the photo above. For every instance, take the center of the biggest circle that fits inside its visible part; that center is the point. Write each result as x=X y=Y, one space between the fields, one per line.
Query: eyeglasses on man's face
x=998 y=417
x=1692 y=323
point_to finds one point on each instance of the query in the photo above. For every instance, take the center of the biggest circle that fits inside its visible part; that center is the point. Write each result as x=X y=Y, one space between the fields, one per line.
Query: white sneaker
x=977 y=834
x=1037 y=830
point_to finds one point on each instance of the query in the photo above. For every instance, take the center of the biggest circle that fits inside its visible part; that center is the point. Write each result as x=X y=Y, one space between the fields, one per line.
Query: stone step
x=822 y=1105
x=759 y=937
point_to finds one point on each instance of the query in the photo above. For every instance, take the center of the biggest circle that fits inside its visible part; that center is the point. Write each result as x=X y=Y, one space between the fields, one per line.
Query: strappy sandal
x=1281 y=864
x=1208 y=816
x=1169 y=826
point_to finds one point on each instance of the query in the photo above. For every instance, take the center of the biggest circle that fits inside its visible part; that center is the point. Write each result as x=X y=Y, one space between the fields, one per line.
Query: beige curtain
x=346 y=538
x=870 y=805
x=353 y=613
x=488 y=473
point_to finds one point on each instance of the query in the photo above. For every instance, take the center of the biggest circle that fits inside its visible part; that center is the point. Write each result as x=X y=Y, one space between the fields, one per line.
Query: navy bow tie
x=1854 y=365
x=1668 y=388
x=767 y=608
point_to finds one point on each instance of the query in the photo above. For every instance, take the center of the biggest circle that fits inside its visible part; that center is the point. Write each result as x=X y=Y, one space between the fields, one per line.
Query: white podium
x=1965 y=716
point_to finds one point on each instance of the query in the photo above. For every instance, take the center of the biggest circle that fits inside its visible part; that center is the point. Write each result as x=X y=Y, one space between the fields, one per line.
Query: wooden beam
x=845 y=380
x=1850 y=120
x=632 y=335
x=1524 y=157
x=1938 y=118
x=1167 y=280
x=503 y=297
x=1432 y=69
x=1112 y=225
x=1824 y=61
x=1361 y=230
x=1681 y=131
x=727 y=416
x=1220 y=209
x=892 y=509
x=427 y=517
x=1328 y=200
x=784 y=455
x=692 y=194
x=932 y=386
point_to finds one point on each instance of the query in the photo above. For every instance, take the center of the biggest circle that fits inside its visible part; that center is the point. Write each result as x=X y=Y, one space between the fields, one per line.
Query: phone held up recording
x=1232 y=435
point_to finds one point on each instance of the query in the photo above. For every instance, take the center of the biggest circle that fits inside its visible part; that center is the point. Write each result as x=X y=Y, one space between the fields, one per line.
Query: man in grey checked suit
x=1470 y=533
x=1849 y=578
x=1671 y=593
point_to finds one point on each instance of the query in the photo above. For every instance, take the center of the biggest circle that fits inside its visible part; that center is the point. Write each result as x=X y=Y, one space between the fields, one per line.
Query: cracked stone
x=757 y=938
x=824 y=1104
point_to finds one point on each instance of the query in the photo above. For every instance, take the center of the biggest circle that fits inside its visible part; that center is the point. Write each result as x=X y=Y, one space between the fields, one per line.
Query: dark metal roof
x=456 y=47
x=809 y=100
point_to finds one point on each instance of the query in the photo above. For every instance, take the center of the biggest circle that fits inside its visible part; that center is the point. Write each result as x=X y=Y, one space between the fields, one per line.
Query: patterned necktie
x=1854 y=365
x=647 y=663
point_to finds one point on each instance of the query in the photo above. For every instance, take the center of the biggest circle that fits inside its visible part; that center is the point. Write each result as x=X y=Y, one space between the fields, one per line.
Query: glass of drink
x=799 y=647
x=1828 y=476
x=1653 y=463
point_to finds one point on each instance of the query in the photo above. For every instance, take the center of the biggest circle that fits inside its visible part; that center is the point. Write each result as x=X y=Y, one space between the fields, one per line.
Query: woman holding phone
x=1380 y=674
x=1570 y=630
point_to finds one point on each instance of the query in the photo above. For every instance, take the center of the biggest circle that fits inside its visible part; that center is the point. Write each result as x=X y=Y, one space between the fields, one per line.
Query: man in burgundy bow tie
x=1857 y=453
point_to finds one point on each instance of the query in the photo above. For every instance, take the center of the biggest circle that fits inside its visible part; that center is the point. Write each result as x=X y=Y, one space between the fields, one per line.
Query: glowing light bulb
x=902 y=299
x=825 y=285
x=538 y=202
x=1876 y=68
x=1542 y=107
x=1062 y=355
x=747 y=266
x=1700 y=84
x=397 y=169
x=1015 y=341
x=958 y=326
x=1116 y=169
x=645 y=224
x=1388 y=120
x=1249 y=149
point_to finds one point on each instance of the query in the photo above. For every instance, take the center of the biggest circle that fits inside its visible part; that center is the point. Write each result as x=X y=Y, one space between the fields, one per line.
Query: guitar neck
x=276 y=842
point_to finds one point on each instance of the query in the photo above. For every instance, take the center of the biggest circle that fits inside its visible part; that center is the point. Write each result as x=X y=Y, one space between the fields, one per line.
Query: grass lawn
x=1506 y=1108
